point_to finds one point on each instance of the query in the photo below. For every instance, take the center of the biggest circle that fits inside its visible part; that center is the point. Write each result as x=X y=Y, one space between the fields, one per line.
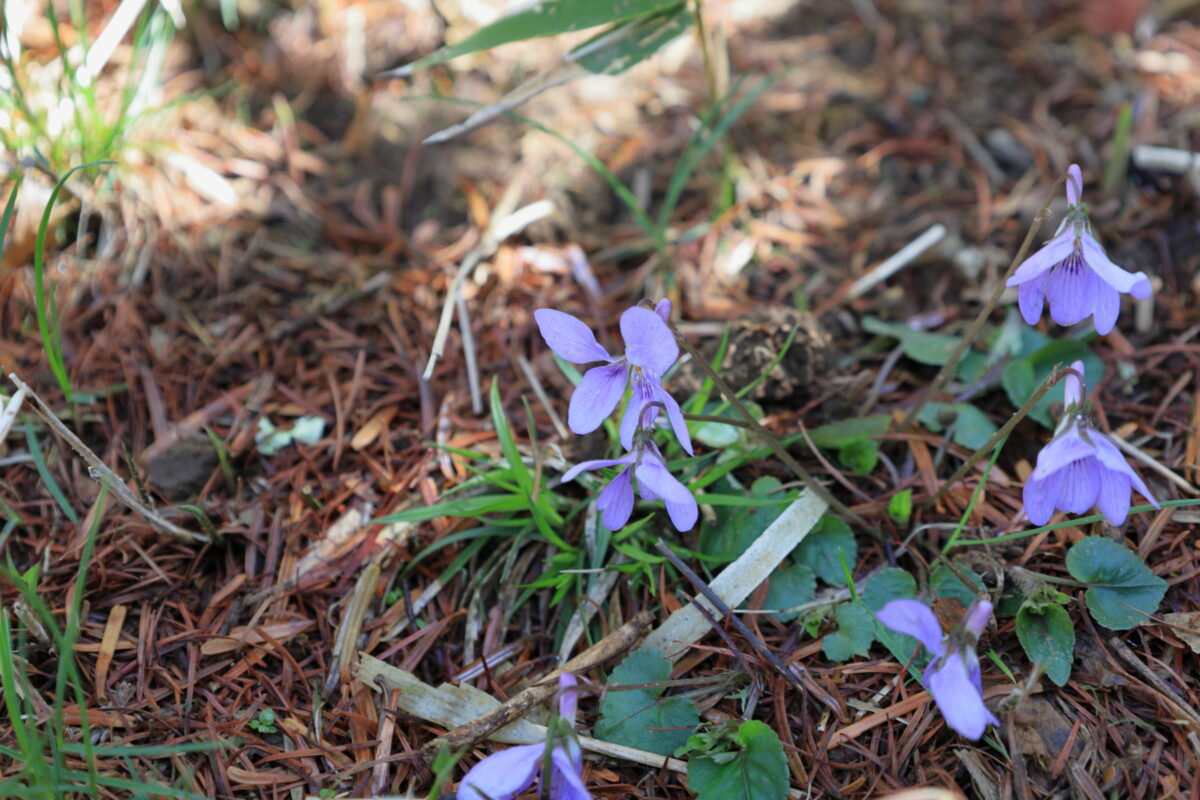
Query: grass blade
x=702 y=142
x=546 y=18
x=9 y=207
x=50 y=339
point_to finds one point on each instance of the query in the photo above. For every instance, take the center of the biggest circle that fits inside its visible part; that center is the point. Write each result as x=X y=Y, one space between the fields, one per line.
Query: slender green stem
x=714 y=418
x=947 y=370
x=710 y=69
x=962 y=522
x=1038 y=576
x=768 y=438
x=1053 y=378
x=1078 y=522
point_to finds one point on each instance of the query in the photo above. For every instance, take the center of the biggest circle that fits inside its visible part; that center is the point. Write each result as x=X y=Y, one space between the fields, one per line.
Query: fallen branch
x=514 y=708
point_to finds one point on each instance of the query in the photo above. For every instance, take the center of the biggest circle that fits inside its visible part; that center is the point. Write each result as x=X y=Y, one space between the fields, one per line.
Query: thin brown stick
x=1170 y=696
x=514 y=708
x=796 y=675
x=1000 y=435
x=972 y=333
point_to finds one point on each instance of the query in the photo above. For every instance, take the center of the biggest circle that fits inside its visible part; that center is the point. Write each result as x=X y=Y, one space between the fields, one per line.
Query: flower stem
x=768 y=438
x=947 y=370
x=1051 y=579
x=1020 y=414
x=721 y=420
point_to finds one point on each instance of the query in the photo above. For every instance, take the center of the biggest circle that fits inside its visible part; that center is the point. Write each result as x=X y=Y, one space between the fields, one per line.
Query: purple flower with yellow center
x=654 y=482
x=504 y=775
x=953 y=675
x=1080 y=467
x=650 y=350
x=1073 y=274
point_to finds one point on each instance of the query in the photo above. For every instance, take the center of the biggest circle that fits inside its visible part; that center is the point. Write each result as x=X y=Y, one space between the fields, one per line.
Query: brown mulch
x=322 y=296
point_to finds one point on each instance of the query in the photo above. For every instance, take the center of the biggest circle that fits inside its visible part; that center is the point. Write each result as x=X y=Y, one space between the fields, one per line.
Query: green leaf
x=719 y=436
x=825 y=546
x=642 y=718
x=466 y=507
x=900 y=507
x=546 y=18
x=630 y=42
x=921 y=346
x=946 y=584
x=860 y=457
x=737 y=527
x=1008 y=604
x=757 y=769
x=508 y=444
x=856 y=631
x=611 y=52
x=789 y=587
x=1122 y=590
x=847 y=431
x=9 y=207
x=969 y=426
x=890 y=584
x=1046 y=633
x=1022 y=377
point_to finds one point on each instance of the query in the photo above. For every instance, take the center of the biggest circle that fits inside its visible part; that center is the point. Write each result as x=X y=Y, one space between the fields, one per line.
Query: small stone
x=1007 y=149
x=181 y=470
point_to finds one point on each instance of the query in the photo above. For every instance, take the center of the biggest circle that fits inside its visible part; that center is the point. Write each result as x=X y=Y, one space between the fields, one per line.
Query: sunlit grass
x=55 y=113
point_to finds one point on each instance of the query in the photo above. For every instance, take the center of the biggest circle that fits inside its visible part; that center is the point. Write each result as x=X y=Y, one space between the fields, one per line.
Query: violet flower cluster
x=953 y=676
x=1080 y=467
x=650 y=350
x=508 y=773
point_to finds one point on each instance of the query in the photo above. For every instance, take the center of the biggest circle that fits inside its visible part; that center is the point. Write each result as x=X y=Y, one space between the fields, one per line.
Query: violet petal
x=649 y=343
x=915 y=619
x=1030 y=296
x=502 y=775
x=1125 y=282
x=568 y=336
x=1081 y=485
x=1040 y=496
x=653 y=475
x=596 y=396
x=1051 y=254
x=960 y=702
x=565 y=783
x=616 y=501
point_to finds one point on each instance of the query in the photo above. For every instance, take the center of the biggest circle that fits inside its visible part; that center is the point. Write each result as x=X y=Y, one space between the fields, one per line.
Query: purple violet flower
x=654 y=482
x=650 y=350
x=508 y=773
x=1073 y=274
x=1080 y=467
x=953 y=675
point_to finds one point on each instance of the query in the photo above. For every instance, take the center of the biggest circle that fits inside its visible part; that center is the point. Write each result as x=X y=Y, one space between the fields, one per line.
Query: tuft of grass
x=44 y=301
x=56 y=112
x=46 y=748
